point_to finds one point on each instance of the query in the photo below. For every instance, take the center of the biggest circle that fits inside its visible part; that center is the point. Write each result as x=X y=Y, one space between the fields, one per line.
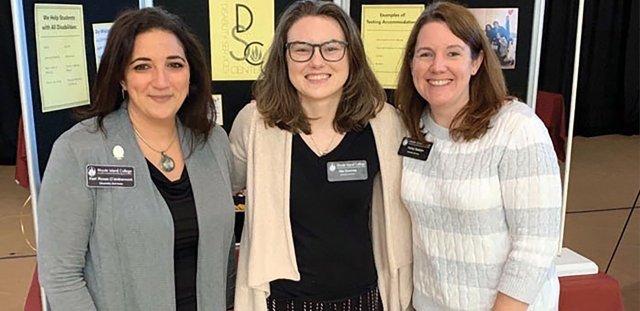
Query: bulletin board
x=48 y=126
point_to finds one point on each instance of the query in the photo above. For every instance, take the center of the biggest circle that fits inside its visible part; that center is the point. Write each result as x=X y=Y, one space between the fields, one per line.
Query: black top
x=330 y=222
x=179 y=198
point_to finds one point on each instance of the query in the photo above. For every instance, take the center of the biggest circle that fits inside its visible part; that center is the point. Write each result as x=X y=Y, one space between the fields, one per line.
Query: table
x=550 y=108
x=594 y=292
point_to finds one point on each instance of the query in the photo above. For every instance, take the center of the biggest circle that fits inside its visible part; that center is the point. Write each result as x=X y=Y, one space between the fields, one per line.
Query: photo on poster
x=501 y=27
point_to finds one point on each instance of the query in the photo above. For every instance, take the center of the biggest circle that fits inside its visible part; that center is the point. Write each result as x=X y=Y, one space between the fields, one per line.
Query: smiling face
x=317 y=79
x=157 y=76
x=442 y=67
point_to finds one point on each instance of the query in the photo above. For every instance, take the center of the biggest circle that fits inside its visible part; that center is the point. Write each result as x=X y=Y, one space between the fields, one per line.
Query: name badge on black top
x=109 y=176
x=414 y=149
x=347 y=170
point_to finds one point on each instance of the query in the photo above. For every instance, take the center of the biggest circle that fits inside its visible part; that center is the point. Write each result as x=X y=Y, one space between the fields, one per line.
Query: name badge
x=110 y=176
x=347 y=170
x=414 y=149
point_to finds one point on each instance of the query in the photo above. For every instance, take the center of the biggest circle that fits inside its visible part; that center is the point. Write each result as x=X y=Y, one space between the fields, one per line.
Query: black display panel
x=517 y=78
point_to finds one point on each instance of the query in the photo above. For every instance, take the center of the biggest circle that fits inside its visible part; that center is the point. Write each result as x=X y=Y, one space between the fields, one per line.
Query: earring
x=123 y=90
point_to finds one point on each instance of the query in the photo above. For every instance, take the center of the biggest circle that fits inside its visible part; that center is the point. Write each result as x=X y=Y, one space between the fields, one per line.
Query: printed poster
x=241 y=32
x=62 y=63
x=385 y=29
x=100 y=34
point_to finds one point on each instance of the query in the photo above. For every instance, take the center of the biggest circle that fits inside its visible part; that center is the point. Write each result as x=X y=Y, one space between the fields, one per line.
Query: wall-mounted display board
x=234 y=41
x=512 y=24
x=58 y=39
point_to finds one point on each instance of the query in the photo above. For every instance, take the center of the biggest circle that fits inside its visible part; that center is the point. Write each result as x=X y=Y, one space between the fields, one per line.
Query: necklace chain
x=166 y=162
x=148 y=145
x=322 y=152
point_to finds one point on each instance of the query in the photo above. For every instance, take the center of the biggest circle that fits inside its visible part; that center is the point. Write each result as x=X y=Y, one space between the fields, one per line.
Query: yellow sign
x=62 y=62
x=241 y=32
x=385 y=29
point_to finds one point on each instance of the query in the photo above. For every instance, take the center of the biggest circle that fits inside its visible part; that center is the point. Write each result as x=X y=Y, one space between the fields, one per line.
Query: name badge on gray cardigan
x=347 y=170
x=109 y=176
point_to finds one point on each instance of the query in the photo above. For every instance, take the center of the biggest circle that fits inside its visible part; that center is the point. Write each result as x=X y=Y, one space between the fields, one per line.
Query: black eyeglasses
x=331 y=51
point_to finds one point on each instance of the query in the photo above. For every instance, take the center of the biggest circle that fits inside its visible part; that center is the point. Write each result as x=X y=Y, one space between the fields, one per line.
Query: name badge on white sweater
x=413 y=148
x=109 y=176
x=347 y=170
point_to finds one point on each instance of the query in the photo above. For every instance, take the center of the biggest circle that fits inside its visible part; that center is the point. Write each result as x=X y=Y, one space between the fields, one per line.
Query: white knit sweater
x=485 y=215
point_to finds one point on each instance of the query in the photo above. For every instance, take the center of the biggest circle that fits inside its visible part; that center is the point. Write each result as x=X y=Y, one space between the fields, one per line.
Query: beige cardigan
x=262 y=163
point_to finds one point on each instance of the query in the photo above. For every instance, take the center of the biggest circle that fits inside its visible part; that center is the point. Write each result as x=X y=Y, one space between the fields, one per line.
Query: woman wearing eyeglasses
x=325 y=228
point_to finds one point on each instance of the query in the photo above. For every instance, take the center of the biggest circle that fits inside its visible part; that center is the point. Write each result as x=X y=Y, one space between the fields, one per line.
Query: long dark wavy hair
x=196 y=113
x=487 y=89
x=277 y=99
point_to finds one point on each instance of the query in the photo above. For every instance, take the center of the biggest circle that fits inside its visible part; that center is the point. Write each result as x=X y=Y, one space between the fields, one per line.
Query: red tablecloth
x=550 y=108
x=594 y=292
x=33 y=302
x=22 y=173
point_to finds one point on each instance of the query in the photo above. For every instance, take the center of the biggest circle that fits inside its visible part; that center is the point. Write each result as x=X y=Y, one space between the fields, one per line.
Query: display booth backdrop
x=48 y=126
x=517 y=78
x=235 y=94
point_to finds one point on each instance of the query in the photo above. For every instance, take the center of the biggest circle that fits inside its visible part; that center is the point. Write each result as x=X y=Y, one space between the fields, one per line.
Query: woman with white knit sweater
x=480 y=177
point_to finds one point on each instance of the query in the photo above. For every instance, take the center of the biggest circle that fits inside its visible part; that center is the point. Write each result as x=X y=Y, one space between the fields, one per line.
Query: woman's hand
x=506 y=303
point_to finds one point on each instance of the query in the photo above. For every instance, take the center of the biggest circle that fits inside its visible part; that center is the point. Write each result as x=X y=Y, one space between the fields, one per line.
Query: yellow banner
x=62 y=62
x=241 y=32
x=385 y=29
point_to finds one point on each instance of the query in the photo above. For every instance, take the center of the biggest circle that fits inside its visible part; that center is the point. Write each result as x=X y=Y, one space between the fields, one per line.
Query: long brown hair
x=196 y=113
x=487 y=89
x=277 y=99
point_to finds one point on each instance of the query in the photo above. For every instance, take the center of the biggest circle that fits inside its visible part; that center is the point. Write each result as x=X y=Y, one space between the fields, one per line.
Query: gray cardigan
x=112 y=248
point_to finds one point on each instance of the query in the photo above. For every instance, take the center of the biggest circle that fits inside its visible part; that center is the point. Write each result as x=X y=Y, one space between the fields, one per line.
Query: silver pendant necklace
x=166 y=162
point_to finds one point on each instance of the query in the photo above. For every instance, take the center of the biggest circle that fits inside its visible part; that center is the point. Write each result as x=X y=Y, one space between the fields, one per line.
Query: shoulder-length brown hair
x=277 y=99
x=487 y=89
x=107 y=94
